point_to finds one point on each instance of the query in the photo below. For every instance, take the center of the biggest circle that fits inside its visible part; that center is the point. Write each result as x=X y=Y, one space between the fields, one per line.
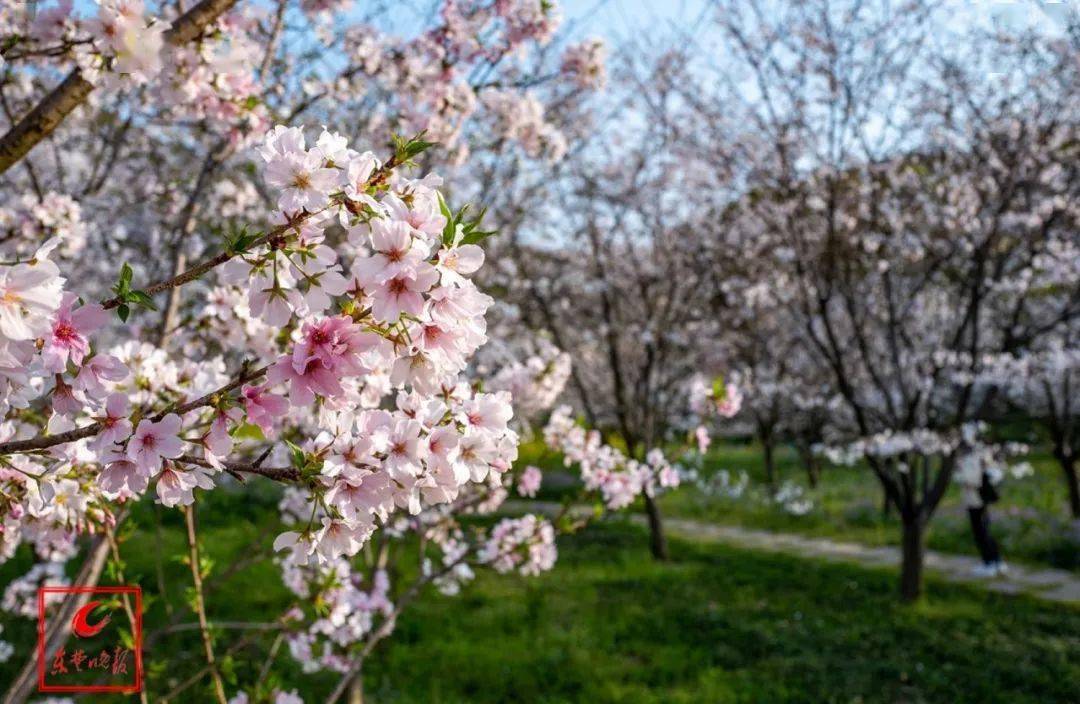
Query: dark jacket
x=987 y=491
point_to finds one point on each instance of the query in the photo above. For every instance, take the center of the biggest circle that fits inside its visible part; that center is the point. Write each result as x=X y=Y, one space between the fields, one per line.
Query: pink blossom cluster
x=892 y=444
x=123 y=39
x=584 y=62
x=452 y=568
x=519 y=117
x=47 y=360
x=229 y=320
x=324 y=9
x=215 y=80
x=432 y=78
x=404 y=271
x=426 y=482
x=407 y=316
x=359 y=610
x=536 y=382
x=529 y=482
x=618 y=478
x=519 y=21
x=702 y=439
x=351 y=610
x=421 y=454
x=525 y=544
x=899 y=446
x=129 y=38
x=21 y=594
x=667 y=475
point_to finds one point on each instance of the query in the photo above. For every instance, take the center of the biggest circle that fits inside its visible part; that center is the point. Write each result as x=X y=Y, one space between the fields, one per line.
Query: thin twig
x=200 y=606
x=284 y=474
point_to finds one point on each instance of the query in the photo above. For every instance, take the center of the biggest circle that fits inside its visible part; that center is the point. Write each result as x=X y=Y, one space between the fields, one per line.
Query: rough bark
x=46 y=116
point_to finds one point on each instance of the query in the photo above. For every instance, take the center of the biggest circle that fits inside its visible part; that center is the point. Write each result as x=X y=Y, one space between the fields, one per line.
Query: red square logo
x=102 y=650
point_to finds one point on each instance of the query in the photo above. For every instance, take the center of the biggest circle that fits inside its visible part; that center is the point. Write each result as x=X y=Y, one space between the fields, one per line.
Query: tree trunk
x=657 y=540
x=809 y=463
x=911 y=566
x=886 y=503
x=1072 y=481
x=770 y=465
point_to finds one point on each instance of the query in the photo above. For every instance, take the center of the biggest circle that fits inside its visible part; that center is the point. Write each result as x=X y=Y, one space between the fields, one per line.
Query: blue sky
x=615 y=20
x=620 y=19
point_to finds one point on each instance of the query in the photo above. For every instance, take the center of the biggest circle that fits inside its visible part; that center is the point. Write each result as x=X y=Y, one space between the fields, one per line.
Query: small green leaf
x=405 y=150
x=248 y=431
x=449 y=230
x=468 y=226
x=238 y=240
x=477 y=236
x=299 y=459
x=141 y=298
x=471 y=232
x=719 y=391
x=123 y=284
x=123 y=311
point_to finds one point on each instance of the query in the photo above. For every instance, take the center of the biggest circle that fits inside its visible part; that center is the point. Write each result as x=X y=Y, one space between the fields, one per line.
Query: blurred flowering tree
x=860 y=218
x=614 y=265
x=913 y=217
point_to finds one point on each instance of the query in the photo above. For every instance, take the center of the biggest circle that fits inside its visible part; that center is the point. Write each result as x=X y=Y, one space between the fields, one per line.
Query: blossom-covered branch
x=126 y=22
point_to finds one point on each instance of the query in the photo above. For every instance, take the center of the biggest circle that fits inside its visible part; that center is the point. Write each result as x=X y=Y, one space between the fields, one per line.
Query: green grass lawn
x=609 y=625
x=723 y=625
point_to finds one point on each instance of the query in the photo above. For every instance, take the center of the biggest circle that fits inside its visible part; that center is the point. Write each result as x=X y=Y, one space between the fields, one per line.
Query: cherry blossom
x=29 y=294
x=262 y=407
x=154 y=441
x=529 y=481
x=68 y=336
x=525 y=544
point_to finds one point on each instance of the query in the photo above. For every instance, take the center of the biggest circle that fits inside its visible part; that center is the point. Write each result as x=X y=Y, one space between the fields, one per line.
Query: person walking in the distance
x=989 y=550
x=978 y=474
